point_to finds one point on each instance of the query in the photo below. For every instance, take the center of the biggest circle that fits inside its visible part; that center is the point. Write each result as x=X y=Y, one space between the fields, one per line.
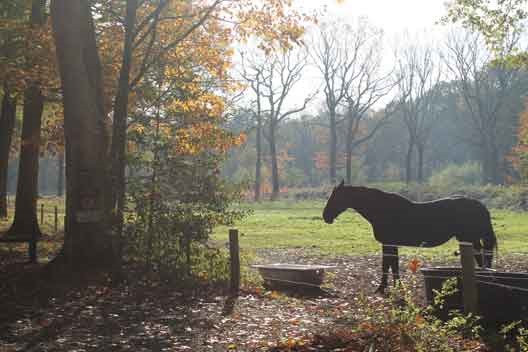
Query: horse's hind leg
x=395 y=264
x=385 y=264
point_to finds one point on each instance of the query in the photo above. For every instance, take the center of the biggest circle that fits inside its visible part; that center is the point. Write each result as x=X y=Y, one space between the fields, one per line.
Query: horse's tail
x=490 y=245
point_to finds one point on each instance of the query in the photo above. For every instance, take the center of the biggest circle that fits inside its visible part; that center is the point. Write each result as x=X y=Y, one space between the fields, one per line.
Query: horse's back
x=433 y=223
x=458 y=214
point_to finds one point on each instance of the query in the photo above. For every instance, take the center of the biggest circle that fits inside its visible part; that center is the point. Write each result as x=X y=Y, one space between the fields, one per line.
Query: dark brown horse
x=397 y=221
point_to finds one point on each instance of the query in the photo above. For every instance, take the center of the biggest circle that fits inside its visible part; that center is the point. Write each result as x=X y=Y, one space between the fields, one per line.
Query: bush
x=513 y=197
x=397 y=324
x=173 y=212
x=455 y=175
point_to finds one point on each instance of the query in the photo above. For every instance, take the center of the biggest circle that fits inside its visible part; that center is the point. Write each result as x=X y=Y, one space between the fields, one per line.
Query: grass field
x=45 y=214
x=289 y=224
x=298 y=224
x=46 y=218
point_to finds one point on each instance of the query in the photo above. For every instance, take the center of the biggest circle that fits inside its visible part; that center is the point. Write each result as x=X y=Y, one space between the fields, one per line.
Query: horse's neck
x=363 y=201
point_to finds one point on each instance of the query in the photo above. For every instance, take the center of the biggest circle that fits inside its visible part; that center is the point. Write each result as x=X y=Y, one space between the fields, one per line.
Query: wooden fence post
x=42 y=214
x=469 y=282
x=234 y=256
x=56 y=219
x=32 y=250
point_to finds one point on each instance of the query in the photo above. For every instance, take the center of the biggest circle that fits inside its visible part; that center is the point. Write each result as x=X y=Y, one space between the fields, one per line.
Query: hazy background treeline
x=303 y=149
x=440 y=111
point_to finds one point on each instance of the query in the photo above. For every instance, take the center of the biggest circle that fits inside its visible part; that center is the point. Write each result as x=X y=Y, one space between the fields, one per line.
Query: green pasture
x=294 y=224
x=46 y=248
x=45 y=214
x=298 y=224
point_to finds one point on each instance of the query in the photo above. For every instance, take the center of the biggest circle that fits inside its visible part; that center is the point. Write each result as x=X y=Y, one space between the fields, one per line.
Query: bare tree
x=418 y=75
x=277 y=76
x=486 y=92
x=253 y=75
x=339 y=51
x=364 y=92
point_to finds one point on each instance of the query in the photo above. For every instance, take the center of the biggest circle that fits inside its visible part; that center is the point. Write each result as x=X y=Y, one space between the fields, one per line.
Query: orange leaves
x=322 y=162
x=419 y=320
x=414 y=265
x=275 y=23
x=52 y=129
x=205 y=105
x=205 y=137
x=30 y=56
x=194 y=66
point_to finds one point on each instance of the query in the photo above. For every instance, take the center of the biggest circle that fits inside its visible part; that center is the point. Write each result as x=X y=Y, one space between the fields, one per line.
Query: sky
x=392 y=15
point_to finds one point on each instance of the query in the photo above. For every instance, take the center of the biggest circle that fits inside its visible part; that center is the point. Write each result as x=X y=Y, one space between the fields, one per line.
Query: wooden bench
x=32 y=245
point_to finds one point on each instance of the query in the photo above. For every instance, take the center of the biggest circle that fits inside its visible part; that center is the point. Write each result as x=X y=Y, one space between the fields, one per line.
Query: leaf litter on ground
x=139 y=316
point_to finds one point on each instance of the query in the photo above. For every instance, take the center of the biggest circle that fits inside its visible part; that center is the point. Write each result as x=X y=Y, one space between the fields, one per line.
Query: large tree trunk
x=120 y=119
x=88 y=242
x=258 y=165
x=25 y=223
x=7 y=123
x=333 y=148
x=275 y=186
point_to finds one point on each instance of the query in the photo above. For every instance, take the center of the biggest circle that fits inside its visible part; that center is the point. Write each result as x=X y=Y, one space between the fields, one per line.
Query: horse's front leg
x=385 y=264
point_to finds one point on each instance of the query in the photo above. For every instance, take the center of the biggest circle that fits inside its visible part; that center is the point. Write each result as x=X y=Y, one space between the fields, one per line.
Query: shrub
x=455 y=175
x=397 y=324
x=513 y=197
x=173 y=213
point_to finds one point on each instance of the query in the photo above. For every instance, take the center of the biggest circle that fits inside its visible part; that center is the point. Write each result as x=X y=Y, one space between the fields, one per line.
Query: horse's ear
x=341 y=184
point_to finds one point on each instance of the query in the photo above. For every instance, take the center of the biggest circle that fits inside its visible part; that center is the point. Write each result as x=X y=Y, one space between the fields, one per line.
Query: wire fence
x=50 y=212
x=484 y=276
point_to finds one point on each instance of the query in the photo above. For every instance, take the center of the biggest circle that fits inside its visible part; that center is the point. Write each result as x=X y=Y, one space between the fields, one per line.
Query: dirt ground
x=143 y=316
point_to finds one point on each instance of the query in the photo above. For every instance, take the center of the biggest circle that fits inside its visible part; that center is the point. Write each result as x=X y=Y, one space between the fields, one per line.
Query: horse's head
x=334 y=205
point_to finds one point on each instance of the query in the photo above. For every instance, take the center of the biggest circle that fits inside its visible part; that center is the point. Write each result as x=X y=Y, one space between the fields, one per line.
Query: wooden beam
x=234 y=260
x=469 y=283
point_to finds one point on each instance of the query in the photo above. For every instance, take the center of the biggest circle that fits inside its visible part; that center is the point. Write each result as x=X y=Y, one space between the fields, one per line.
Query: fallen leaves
x=414 y=265
x=147 y=317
